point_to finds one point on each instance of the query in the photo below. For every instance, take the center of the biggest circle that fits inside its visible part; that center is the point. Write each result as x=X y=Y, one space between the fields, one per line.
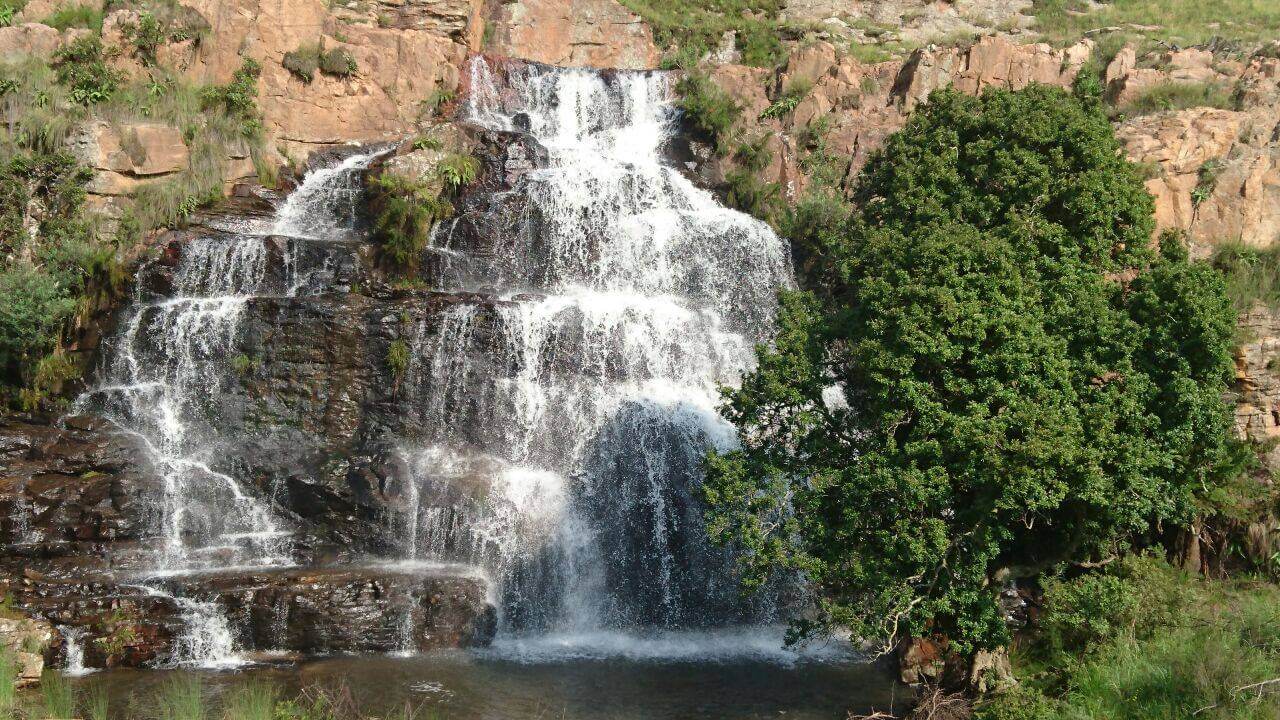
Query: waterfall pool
x=490 y=686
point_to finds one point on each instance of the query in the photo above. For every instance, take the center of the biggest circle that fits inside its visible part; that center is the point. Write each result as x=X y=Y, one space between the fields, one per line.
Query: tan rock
x=1121 y=65
x=18 y=41
x=809 y=63
x=1183 y=141
x=125 y=156
x=38 y=10
x=414 y=48
x=1244 y=204
x=597 y=33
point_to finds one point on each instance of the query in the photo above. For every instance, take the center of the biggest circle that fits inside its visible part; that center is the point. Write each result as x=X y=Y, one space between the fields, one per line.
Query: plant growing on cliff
x=710 y=109
x=1001 y=377
x=83 y=69
x=404 y=212
x=398 y=359
x=458 y=170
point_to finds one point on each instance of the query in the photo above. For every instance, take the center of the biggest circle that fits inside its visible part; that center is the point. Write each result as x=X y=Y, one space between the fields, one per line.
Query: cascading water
x=564 y=426
x=165 y=371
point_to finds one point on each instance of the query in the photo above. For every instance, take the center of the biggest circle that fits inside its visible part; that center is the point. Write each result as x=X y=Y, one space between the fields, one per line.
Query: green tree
x=997 y=374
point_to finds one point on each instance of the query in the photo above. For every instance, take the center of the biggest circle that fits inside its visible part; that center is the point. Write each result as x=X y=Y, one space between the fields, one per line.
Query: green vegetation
x=404 y=212
x=75 y=16
x=1017 y=408
x=338 y=62
x=1143 y=641
x=59 y=700
x=9 y=8
x=458 y=170
x=308 y=58
x=398 y=359
x=8 y=684
x=83 y=69
x=1180 y=96
x=697 y=28
x=303 y=61
x=181 y=698
x=160 y=23
x=1252 y=274
x=1185 y=22
x=710 y=109
x=788 y=101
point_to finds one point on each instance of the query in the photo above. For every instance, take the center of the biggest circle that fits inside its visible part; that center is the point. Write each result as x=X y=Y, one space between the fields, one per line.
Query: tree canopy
x=997 y=373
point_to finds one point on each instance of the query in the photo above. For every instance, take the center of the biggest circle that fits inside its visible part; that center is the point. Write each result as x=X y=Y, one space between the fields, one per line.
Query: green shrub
x=458 y=171
x=1086 y=610
x=75 y=16
x=426 y=142
x=398 y=359
x=747 y=193
x=9 y=8
x=404 y=212
x=693 y=29
x=1252 y=274
x=787 y=102
x=82 y=68
x=438 y=99
x=303 y=62
x=338 y=62
x=238 y=98
x=710 y=109
x=1206 y=181
x=987 y=430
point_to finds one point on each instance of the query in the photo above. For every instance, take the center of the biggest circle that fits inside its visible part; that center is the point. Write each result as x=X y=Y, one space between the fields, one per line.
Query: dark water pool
x=546 y=680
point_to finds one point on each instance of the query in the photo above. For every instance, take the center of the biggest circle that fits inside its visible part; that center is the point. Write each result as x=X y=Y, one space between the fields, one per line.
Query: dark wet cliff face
x=291 y=448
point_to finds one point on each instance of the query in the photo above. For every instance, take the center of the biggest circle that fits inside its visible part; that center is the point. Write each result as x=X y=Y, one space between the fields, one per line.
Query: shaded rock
x=349 y=610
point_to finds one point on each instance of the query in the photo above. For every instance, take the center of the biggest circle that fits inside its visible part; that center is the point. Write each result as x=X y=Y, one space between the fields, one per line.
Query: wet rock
x=349 y=610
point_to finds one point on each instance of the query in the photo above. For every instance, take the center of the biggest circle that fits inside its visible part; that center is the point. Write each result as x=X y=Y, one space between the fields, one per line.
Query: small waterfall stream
x=165 y=371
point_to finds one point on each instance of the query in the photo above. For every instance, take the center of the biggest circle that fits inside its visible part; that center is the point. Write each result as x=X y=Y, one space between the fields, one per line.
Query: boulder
x=27 y=39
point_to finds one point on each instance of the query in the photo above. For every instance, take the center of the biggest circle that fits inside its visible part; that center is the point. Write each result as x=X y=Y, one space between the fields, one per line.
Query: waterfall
x=163 y=376
x=565 y=424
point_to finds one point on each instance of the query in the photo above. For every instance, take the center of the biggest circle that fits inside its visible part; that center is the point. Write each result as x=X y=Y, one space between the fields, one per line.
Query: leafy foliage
x=1252 y=274
x=83 y=69
x=303 y=61
x=238 y=98
x=458 y=170
x=338 y=62
x=1147 y=642
x=982 y=392
x=711 y=110
x=404 y=212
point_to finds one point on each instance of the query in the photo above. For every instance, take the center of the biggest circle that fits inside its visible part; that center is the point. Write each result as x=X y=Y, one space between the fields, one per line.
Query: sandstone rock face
x=598 y=33
x=30 y=38
x=912 y=21
x=125 y=156
x=404 y=52
x=1257 y=382
x=1217 y=172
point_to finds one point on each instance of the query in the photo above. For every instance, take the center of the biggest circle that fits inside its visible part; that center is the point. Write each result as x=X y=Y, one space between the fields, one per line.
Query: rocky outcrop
x=33 y=39
x=350 y=610
x=1257 y=382
x=916 y=22
x=1216 y=171
x=598 y=33
x=25 y=640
